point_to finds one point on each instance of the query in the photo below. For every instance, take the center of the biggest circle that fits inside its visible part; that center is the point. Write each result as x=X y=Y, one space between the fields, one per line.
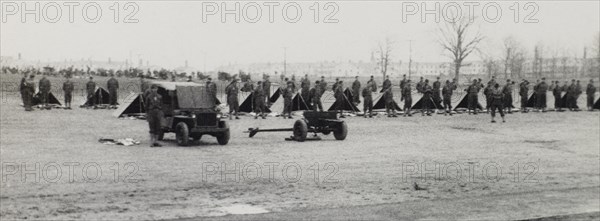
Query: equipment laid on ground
x=313 y=122
x=189 y=112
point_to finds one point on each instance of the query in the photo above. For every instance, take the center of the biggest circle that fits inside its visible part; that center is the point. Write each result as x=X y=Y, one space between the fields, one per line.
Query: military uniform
x=68 y=90
x=388 y=95
x=436 y=92
x=402 y=84
x=356 y=91
x=590 y=91
x=447 y=92
x=540 y=93
x=367 y=94
x=232 y=91
x=315 y=95
x=557 y=92
x=267 y=91
x=154 y=115
x=211 y=89
x=287 y=93
x=22 y=87
x=90 y=87
x=259 y=101
x=386 y=84
x=305 y=85
x=28 y=91
x=473 y=91
x=113 y=86
x=339 y=97
x=427 y=99
x=497 y=97
x=407 y=98
x=44 y=87
x=571 y=97
x=507 y=91
x=487 y=92
x=524 y=92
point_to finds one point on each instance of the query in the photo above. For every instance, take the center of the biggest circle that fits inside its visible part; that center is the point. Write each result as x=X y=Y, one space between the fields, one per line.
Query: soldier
x=143 y=84
x=437 y=86
x=507 y=91
x=315 y=95
x=113 y=86
x=571 y=96
x=388 y=96
x=540 y=93
x=287 y=93
x=90 y=87
x=497 y=102
x=487 y=92
x=590 y=91
x=386 y=83
x=557 y=92
x=232 y=91
x=293 y=84
x=211 y=89
x=323 y=85
x=402 y=83
x=267 y=88
x=22 y=87
x=524 y=92
x=339 y=97
x=334 y=86
x=259 y=100
x=492 y=81
x=420 y=85
x=367 y=94
x=154 y=114
x=68 y=91
x=447 y=95
x=356 y=91
x=473 y=91
x=305 y=85
x=578 y=92
x=407 y=97
x=373 y=83
x=427 y=98
x=28 y=91
x=44 y=87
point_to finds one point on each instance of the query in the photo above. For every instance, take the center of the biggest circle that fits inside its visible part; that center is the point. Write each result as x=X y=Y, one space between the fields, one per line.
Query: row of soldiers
x=27 y=90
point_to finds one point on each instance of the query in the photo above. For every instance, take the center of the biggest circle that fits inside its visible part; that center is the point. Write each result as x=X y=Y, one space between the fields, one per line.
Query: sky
x=167 y=33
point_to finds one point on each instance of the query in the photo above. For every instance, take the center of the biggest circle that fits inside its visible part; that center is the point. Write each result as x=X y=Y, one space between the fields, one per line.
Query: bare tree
x=538 y=54
x=514 y=57
x=384 y=50
x=458 y=38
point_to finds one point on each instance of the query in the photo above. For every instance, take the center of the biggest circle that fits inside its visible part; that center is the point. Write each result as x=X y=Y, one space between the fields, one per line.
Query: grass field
x=53 y=166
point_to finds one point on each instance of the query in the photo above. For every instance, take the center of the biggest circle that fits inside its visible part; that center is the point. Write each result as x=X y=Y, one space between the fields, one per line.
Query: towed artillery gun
x=189 y=112
x=313 y=122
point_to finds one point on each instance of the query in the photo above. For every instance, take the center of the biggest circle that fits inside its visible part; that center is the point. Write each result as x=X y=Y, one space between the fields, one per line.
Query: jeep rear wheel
x=182 y=133
x=223 y=138
x=341 y=131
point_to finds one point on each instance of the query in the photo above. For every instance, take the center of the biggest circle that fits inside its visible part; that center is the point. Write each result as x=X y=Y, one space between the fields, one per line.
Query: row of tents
x=133 y=103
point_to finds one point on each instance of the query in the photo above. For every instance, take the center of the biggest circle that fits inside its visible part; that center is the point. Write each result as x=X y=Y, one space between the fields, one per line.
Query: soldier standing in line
x=420 y=85
x=590 y=91
x=390 y=109
x=232 y=91
x=373 y=82
x=315 y=95
x=571 y=96
x=578 y=92
x=22 y=87
x=211 y=89
x=473 y=91
x=259 y=101
x=90 y=87
x=323 y=85
x=305 y=85
x=487 y=92
x=386 y=83
x=557 y=92
x=367 y=94
x=334 y=86
x=68 y=91
x=402 y=83
x=447 y=91
x=29 y=90
x=497 y=102
x=356 y=91
x=44 y=87
x=267 y=88
x=507 y=91
x=524 y=92
x=407 y=97
x=540 y=92
x=437 y=86
x=288 y=92
x=113 y=86
x=339 y=98
x=154 y=114
x=427 y=98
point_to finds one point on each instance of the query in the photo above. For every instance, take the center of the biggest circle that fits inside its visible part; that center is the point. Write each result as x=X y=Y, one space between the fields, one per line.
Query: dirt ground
x=53 y=166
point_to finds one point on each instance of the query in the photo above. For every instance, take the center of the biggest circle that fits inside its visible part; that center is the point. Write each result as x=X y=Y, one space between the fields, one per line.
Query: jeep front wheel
x=182 y=133
x=223 y=138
